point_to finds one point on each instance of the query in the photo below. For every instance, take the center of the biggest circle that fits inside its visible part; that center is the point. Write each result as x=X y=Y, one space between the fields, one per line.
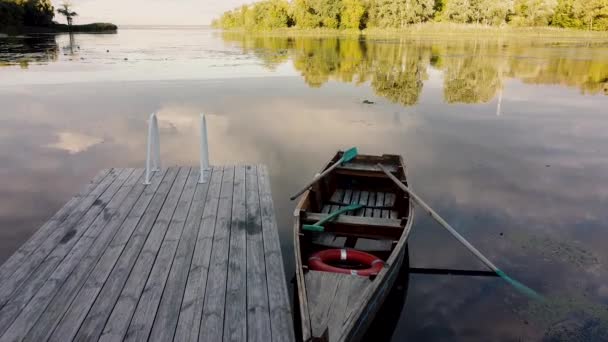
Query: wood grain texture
x=69 y=324
x=111 y=287
x=212 y=320
x=188 y=325
x=62 y=239
x=168 y=311
x=236 y=288
x=173 y=260
x=280 y=311
x=11 y=264
x=258 y=312
x=61 y=287
x=143 y=317
x=118 y=322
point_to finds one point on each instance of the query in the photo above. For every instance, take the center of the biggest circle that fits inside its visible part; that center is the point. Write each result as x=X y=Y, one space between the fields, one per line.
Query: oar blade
x=520 y=287
x=349 y=154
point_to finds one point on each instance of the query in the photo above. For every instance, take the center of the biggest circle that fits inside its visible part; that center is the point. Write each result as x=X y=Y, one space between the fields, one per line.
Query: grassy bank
x=442 y=30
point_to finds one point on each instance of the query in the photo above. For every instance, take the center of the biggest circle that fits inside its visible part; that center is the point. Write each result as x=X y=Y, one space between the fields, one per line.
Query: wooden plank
x=12 y=263
x=145 y=312
x=280 y=311
x=168 y=311
x=379 y=203
x=326 y=209
x=258 y=314
x=321 y=289
x=371 y=200
x=337 y=196
x=110 y=287
x=359 y=166
x=355 y=220
x=389 y=201
x=118 y=322
x=354 y=199
x=51 y=300
x=363 y=198
x=191 y=309
x=63 y=238
x=67 y=326
x=339 y=304
x=212 y=320
x=236 y=295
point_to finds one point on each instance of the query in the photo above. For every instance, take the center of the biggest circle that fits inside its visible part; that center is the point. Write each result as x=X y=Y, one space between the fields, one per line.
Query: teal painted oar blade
x=349 y=155
x=520 y=287
x=313 y=228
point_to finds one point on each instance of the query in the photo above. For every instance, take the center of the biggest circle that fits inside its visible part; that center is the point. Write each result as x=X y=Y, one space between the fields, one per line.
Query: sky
x=149 y=12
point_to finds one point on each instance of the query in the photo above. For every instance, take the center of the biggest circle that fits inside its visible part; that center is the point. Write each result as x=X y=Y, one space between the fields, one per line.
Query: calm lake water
x=507 y=138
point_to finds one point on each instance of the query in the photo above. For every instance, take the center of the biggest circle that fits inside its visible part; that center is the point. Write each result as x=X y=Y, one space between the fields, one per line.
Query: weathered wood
x=354 y=199
x=68 y=325
x=212 y=320
x=124 y=252
x=358 y=166
x=65 y=280
x=143 y=317
x=12 y=263
x=371 y=200
x=168 y=311
x=192 y=304
x=236 y=295
x=280 y=311
x=379 y=203
x=61 y=240
x=258 y=314
x=321 y=289
x=363 y=199
x=355 y=220
x=389 y=201
x=347 y=290
x=336 y=197
x=173 y=260
x=118 y=322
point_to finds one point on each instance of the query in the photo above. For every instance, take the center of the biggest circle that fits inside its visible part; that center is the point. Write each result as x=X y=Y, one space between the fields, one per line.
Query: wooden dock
x=173 y=260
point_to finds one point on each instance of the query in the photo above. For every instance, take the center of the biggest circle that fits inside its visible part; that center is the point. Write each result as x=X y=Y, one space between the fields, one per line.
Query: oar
x=519 y=286
x=348 y=155
x=318 y=227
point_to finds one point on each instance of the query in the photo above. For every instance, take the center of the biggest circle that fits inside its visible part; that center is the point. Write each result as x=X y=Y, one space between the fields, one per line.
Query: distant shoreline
x=63 y=28
x=448 y=30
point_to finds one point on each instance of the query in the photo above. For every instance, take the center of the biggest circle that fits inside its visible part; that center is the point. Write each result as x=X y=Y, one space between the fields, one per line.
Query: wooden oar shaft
x=440 y=220
x=317 y=178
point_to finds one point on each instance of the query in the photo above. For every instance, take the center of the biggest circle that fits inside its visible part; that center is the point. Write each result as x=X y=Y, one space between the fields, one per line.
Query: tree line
x=396 y=14
x=14 y=14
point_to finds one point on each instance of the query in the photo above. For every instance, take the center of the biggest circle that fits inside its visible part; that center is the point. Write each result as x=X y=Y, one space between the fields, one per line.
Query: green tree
x=533 y=12
x=568 y=14
x=352 y=14
x=595 y=14
x=400 y=13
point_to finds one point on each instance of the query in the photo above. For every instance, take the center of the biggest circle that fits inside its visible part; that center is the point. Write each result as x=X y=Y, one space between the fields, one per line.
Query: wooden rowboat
x=340 y=306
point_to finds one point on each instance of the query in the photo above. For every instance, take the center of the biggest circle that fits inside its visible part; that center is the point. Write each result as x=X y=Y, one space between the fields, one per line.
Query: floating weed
x=553 y=249
x=569 y=318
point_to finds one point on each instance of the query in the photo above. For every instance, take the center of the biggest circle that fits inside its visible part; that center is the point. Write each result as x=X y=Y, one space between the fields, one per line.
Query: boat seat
x=356 y=226
x=366 y=245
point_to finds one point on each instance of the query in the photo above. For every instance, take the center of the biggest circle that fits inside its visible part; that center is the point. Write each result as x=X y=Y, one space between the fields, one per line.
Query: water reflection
x=474 y=71
x=24 y=50
x=528 y=187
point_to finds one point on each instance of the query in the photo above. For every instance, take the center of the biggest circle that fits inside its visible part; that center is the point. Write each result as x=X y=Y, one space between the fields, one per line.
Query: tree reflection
x=23 y=50
x=473 y=70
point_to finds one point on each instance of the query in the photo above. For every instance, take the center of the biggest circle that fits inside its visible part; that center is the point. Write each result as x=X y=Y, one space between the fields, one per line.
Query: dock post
x=153 y=149
x=204 y=150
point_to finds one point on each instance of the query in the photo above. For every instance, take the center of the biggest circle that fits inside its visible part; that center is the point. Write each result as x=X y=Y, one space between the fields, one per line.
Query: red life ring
x=318 y=261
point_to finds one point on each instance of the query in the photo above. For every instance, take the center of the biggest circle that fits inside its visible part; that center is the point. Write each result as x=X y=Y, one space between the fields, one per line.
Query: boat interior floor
x=331 y=299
